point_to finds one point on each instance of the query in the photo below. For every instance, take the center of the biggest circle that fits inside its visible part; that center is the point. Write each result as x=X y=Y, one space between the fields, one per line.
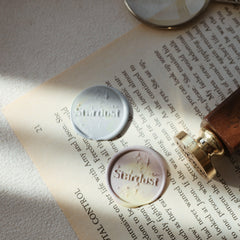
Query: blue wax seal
x=100 y=113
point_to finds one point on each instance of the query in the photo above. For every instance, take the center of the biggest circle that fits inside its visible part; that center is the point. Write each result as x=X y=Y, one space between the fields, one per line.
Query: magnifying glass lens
x=166 y=13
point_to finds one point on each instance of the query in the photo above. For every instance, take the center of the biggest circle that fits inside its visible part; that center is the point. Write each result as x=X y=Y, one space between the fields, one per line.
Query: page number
x=38 y=128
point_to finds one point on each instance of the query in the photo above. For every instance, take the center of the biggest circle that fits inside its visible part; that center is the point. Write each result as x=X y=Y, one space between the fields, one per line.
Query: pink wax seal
x=136 y=176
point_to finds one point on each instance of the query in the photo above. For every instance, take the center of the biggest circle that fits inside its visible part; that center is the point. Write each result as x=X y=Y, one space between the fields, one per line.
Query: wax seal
x=136 y=176
x=100 y=113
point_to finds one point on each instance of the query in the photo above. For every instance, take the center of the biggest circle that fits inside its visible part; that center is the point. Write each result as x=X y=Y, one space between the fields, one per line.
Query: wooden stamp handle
x=224 y=121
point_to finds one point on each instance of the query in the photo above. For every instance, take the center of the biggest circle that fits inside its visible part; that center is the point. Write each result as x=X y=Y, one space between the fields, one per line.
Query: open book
x=171 y=80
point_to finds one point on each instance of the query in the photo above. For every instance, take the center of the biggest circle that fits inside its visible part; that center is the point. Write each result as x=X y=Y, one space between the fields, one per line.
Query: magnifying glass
x=169 y=13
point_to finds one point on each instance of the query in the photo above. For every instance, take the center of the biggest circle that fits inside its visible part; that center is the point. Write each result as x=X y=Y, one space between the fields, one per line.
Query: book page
x=171 y=80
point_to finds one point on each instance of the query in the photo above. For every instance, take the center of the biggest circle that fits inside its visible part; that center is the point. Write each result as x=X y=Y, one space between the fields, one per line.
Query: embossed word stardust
x=118 y=173
x=114 y=113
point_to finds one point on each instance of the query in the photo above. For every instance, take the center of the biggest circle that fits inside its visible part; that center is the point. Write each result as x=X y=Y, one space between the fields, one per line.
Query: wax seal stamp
x=220 y=133
x=99 y=113
x=136 y=176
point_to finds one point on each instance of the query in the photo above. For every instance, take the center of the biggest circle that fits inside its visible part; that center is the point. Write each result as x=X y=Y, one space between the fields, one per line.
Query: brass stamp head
x=200 y=151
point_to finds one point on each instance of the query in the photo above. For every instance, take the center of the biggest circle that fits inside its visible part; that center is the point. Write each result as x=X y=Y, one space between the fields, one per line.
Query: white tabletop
x=38 y=40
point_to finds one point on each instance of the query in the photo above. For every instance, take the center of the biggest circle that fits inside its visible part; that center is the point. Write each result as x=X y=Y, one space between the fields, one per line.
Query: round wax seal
x=136 y=176
x=99 y=113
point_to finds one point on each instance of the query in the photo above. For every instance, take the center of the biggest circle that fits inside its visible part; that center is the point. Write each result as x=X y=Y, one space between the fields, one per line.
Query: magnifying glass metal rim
x=173 y=26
